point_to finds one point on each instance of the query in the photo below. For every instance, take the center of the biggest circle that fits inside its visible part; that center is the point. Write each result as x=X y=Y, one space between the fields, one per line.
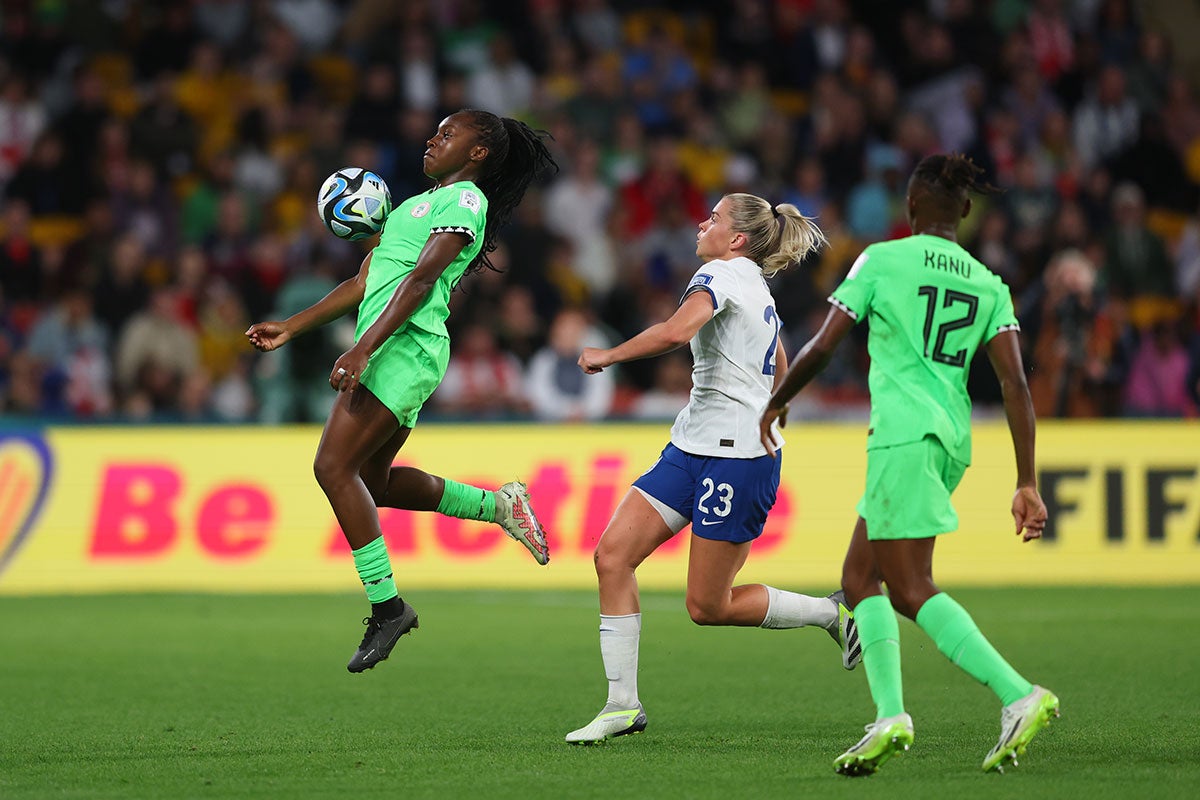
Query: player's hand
x=593 y=360
x=347 y=370
x=765 y=434
x=1029 y=513
x=267 y=336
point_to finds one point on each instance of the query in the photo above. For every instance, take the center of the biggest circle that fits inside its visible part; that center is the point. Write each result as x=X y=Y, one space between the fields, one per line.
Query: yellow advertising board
x=237 y=509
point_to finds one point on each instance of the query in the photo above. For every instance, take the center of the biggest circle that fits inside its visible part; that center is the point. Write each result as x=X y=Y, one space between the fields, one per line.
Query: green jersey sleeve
x=458 y=211
x=1004 y=317
x=857 y=290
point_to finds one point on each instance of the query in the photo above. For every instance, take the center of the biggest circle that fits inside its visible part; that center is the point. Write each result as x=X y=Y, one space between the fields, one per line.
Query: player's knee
x=857 y=588
x=328 y=471
x=607 y=562
x=907 y=600
x=704 y=613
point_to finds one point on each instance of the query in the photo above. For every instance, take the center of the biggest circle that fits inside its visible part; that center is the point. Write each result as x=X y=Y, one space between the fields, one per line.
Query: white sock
x=791 y=610
x=619 y=648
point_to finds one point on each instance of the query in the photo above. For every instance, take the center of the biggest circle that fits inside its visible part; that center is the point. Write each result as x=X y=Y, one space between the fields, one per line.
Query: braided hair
x=516 y=155
x=948 y=179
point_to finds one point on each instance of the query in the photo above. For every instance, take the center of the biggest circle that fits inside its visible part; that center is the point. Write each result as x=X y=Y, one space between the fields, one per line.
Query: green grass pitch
x=199 y=696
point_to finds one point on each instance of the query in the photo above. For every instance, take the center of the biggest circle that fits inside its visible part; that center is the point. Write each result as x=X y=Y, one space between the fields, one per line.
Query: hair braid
x=951 y=177
x=516 y=155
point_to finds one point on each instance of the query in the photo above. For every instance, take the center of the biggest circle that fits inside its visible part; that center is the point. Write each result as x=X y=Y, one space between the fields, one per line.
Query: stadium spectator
x=155 y=356
x=504 y=85
x=1107 y=121
x=1158 y=374
x=21 y=277
x=556 y=390
x=482 y=381
x=22 y=120
x=70 y=347
x=163 y=133
x=143 y=207
x=670 y=391
x=46 y=182
x=418 y=72
x=291 y=380
x=1136 y=262
x=314 y=23
x=662 y=184
x=1071 y=341
x=577 y=208
x=122 y=290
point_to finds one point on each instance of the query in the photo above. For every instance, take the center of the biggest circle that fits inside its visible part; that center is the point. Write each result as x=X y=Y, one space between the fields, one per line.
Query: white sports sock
x=791 y=610
x=619 y=648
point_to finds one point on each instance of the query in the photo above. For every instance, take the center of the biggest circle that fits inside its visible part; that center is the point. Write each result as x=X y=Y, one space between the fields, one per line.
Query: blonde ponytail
x=775 y=238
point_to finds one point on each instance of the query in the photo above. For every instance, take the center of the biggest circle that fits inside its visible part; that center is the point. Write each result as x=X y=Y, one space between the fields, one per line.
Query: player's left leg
x=1027 y=708
x=358 y=426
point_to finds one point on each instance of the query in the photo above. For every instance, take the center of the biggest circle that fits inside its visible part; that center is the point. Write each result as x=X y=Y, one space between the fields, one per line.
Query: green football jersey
x=930 y=306
x=460 y=208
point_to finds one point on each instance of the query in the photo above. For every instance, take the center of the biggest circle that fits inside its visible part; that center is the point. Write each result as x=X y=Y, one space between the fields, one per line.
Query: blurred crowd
x=159 y=163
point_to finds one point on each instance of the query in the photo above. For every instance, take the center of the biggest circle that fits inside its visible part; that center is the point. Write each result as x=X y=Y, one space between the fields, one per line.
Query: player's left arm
x=1028 y=509
x=439 y=252
x=663 y=337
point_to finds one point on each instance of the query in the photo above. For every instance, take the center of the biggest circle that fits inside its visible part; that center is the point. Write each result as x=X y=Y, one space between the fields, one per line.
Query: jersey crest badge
x=469 y=199
x=420 y=209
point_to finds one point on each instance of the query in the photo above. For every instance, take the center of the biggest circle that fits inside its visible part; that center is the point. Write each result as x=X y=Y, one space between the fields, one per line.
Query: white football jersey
x=733 y=363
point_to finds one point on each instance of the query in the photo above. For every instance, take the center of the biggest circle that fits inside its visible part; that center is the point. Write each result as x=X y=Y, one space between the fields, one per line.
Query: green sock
x=880 y=636
x=467 y=502
x=375 y=570
x=956 y=635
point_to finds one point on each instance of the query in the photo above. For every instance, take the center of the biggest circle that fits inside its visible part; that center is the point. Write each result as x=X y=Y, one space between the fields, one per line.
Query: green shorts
x=908 y=491
x=405 y=370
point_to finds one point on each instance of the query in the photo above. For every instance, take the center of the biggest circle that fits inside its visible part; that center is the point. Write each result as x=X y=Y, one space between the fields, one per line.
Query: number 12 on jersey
x=949 y=298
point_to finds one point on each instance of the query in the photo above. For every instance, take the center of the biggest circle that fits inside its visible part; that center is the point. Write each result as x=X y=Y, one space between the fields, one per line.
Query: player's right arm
x=1028 y=510
x=345 y=297
x=663 y=337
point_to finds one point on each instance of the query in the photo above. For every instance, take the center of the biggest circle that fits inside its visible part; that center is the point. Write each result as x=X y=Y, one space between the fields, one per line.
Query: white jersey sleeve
x=720 y=285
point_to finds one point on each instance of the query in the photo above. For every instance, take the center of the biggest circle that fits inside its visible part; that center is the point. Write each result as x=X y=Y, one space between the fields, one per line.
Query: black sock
x=388 y=609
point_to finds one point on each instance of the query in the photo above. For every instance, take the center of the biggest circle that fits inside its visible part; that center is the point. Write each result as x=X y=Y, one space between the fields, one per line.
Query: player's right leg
x=879 y=638
x=634 y=532
x=885 y=738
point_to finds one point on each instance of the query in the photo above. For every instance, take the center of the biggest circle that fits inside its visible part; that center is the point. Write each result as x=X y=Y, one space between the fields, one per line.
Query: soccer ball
x=353 y=203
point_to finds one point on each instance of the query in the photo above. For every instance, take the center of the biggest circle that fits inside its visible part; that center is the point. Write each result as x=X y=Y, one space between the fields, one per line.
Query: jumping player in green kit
x=481 y=165
x=930 y=306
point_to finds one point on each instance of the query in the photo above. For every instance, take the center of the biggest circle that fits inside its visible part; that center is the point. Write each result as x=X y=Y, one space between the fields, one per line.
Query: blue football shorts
x=725 y=499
